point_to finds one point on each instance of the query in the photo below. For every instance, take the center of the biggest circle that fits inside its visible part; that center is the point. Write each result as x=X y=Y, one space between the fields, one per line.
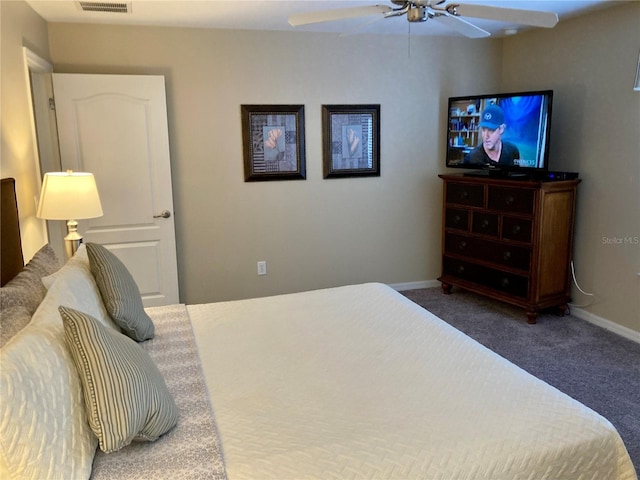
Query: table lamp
x=69 y=196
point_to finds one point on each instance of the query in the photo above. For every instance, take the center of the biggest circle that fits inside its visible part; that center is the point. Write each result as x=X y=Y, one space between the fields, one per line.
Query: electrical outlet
x=262 y=267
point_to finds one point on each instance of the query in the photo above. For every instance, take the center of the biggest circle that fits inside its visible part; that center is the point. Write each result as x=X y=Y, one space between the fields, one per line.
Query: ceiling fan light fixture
x=417 y=14
x=452 y=15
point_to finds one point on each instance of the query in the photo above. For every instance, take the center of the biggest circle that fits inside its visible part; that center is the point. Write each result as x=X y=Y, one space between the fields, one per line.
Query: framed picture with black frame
x=273 y=142
x=351 y=140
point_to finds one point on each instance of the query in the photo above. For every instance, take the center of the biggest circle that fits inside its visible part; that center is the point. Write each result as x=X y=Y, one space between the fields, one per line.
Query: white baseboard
x=578 y=312
x=606 y=324
x=415 y=285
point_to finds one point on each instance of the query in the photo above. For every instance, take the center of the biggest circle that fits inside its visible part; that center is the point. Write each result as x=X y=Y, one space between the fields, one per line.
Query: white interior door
x=115 y=126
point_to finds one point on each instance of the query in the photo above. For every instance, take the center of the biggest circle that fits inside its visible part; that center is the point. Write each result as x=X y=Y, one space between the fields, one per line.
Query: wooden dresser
x=511 y=240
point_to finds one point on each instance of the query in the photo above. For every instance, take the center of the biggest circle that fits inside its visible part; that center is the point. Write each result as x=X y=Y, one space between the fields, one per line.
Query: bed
x=348 y=382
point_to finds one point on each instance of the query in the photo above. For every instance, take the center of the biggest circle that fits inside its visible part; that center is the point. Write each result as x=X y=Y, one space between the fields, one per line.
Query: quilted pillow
x=14 y=319
x=125 y=394
x=44 y=262
x=26 y=289
x=120 y=293
x=44 y=431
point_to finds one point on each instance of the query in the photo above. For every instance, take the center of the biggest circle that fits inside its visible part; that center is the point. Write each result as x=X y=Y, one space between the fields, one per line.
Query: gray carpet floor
x=594 y=366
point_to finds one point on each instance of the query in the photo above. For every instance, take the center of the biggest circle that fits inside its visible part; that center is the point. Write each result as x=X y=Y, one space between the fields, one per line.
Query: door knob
x=163 y=214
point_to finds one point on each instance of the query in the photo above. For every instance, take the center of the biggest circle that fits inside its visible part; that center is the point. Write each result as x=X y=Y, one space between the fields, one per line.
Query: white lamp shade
x=69 y=196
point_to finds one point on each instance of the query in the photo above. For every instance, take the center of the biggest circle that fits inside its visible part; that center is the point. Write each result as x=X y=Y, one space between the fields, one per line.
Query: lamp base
x=73 y=239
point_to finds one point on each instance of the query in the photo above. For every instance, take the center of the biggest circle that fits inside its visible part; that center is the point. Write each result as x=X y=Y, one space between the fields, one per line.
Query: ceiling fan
x=418 y=11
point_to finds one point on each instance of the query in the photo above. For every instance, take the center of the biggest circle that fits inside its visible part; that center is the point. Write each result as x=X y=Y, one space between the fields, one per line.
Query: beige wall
x=314 y=233
x=21 y=27
x=318 y=233
x=590 y=62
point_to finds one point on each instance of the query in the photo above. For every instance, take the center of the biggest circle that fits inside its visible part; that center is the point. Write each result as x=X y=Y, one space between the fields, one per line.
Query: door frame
x=44 y=136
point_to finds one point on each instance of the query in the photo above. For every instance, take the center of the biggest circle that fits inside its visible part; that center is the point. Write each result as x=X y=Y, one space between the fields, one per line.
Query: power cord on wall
x=575 y=281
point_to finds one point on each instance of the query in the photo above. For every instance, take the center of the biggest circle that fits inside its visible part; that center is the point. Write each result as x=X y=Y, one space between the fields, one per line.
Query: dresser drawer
x=458 y=219
x=512 y=284
x=509 y=239
x=494 y=252
x=514 y=200
x=485 y=224
x=465 y=194
x=519 y=229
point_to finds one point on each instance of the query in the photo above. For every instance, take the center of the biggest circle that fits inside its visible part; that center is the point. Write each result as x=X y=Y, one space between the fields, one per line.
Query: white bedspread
x=359 y=382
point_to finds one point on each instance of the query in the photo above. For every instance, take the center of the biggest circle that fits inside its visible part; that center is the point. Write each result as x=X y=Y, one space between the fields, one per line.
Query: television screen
x=506 y=132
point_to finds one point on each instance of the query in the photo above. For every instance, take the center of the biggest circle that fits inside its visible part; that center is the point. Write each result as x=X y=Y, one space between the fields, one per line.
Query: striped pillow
x=125 y=395
x=120 y=293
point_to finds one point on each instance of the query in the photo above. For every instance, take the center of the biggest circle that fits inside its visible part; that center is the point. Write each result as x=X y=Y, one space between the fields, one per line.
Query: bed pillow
x=74 y=286
x=14 y=319
x=26 y=288
x=80 y=257
x=125 y=395
x=48 y=435
x=45 y=261
x=120 y=293
x=44 y=432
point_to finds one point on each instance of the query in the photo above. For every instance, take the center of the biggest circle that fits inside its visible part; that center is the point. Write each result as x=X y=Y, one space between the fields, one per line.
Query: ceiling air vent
x=110 y=7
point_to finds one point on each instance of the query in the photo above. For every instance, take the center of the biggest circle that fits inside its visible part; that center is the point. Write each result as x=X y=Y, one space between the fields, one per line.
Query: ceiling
x=273 y=14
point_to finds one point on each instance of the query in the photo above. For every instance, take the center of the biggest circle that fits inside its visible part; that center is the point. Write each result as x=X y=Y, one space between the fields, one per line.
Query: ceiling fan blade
x=339 y=14
x=509 y=15
x=460 y=25
x=363 y=26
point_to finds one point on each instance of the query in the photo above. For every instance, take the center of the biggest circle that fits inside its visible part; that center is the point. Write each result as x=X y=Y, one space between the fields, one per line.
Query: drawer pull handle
x=464 y=194
x=460 y=269
x=456 y=219
x=506 y=255
x=504 y=282
x=462 y=245
x=516 y=229
x=509 y=201
x=484 y=224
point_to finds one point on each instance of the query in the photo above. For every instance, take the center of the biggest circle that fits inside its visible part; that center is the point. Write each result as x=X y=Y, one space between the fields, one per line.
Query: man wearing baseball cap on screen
x=493 y=150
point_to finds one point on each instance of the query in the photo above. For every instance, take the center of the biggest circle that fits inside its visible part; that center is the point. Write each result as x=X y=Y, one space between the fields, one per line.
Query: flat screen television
x=504 y=134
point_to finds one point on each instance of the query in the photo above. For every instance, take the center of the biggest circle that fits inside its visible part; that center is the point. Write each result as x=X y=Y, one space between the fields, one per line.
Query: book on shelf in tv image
x=508 y=131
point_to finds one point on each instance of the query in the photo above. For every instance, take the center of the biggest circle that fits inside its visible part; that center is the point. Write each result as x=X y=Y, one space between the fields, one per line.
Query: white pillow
x=79 y=258
x=44 y=431
x=74 y=284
